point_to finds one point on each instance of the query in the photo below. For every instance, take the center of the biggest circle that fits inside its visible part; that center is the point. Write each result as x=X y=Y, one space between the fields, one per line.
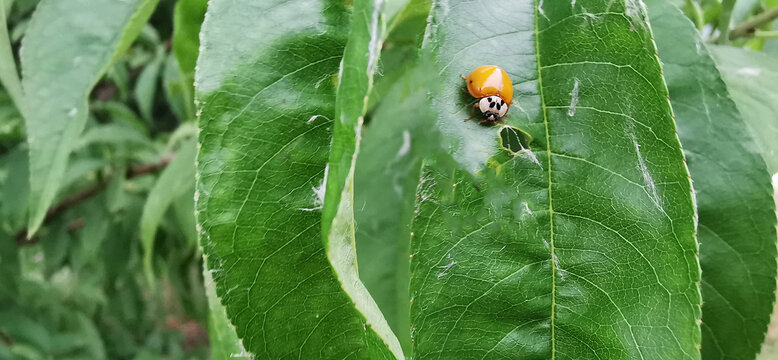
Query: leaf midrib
x=550 y=197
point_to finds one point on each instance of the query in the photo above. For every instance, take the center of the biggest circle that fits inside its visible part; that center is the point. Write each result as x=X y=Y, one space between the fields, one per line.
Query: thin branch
x=85 y=194
x=749 y=27
x=765 y=34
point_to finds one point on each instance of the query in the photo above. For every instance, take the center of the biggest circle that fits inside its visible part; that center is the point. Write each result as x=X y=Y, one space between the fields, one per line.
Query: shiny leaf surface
x=581 y=246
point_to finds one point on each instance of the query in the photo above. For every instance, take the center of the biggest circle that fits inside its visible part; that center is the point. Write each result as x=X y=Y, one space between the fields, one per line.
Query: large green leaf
x=581 y=247
x=734 y=196
x=265 y=137
x=751 y=77
x=68 y=46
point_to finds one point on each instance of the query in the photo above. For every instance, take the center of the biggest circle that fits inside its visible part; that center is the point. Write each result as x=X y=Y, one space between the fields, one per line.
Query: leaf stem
x=724 y=20
x=750 y=27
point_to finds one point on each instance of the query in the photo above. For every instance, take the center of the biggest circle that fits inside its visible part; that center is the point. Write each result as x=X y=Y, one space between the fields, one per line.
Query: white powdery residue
x=527 y=153
x=72 y=112
x=502 y=248
x=540 y=10
x=562 y=273
x=526 y=208
x=374 y=47
x=573 y=99
x=749 y=71
x=319 y=191
x=406 y=147
x=243 y=353
x=312 y=119
x=572 y=3
x=648 y=180
x=634 y=10
x=546 y=244
x=449 y=266
x=446 y=268
x=694 y=202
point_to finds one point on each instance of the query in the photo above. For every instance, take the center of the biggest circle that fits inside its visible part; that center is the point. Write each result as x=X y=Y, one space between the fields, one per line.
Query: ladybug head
x=493 y=108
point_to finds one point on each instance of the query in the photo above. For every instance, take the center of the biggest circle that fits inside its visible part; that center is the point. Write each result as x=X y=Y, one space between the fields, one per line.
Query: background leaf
x=91 y=33
x=751 y=77
x=736 y=226
x=581 y=246
x=398 y=137
x=9 y=77
x=189 y=15
x=174 y=181
x=260 y=195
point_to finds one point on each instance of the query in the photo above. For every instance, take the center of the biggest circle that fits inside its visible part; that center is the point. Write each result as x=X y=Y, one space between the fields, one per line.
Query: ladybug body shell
x=490 y=80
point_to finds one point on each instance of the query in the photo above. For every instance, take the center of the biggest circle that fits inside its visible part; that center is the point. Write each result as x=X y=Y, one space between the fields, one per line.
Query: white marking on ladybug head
x=493 y=107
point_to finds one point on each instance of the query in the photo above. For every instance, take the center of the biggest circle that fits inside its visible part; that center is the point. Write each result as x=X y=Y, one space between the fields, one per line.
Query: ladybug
x=493 y=87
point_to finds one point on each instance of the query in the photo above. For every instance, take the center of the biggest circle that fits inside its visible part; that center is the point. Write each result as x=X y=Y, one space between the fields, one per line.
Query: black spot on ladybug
x=499 y=106
x=471 y=81
x=502 y=102
x=491 y=105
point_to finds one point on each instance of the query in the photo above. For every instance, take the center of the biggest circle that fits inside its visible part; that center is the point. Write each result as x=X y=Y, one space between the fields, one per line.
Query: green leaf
x=734 y=196
x=751 y=77
x=177 y=178
x=189 y=15
x=9 y=77
x=387 y=172
x=146 y=86
x=58 y=76
x=15 y=189
x=581 y=246
x=401 y=47
x=265 y=136
x=224 y=341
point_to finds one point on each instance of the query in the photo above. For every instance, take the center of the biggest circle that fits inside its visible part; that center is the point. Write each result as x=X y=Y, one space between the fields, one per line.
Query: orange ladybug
x=494 y=88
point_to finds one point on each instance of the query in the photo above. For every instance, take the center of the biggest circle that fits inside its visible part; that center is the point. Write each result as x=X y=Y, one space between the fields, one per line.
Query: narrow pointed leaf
x=9 y=77
x=266 y=129
x=582 y=245
x=177 y=178
x=58 y=76
x=734 y=195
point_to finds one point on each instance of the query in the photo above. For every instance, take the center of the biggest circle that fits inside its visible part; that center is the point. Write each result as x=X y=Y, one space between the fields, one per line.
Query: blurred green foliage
x=77 y=289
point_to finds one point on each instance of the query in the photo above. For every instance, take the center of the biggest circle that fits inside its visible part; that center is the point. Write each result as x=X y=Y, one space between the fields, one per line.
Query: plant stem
x=724 y=21
x=749 y=27
x=83 y=195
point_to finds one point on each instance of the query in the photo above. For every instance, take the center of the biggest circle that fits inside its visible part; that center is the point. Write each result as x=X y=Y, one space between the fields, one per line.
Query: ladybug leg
x=463 y=77
x=472 y=113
